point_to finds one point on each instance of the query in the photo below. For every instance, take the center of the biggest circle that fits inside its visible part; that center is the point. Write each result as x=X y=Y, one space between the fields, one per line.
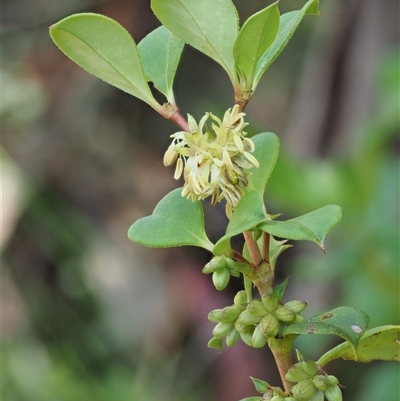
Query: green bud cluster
x=263 y=318
x=312 y=383
x=221 y=268
x=253 y=322
x=226 y=322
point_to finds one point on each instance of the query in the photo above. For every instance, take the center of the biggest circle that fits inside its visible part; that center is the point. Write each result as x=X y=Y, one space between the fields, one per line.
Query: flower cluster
x=213 y=159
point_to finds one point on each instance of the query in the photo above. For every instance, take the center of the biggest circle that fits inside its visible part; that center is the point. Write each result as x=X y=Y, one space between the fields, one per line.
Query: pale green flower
x=213 y=160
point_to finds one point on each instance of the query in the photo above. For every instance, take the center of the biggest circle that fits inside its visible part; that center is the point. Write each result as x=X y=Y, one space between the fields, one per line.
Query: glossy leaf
x=160 y=52
x=175 y=221
x=312 y=226
x=254 y=39
x=248 y=214
x=345 y=322
x=105 y=49
x=288 y=25
x=380 y=343
x=210 y=26
x=266 y=152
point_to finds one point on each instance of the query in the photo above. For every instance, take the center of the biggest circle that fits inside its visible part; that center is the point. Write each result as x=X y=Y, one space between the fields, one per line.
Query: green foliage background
x=86 y=314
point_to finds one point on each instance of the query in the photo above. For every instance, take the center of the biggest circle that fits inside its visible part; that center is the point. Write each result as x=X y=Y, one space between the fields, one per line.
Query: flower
x=213 y=160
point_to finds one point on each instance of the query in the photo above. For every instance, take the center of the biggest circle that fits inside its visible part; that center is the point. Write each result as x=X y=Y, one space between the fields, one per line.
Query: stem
x=281 y=350
x=172 y=113
x=252 y=246
x=263 y=277
x=266 y=238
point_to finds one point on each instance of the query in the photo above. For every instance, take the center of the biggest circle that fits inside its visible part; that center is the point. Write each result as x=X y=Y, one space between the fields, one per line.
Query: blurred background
x=89 y=316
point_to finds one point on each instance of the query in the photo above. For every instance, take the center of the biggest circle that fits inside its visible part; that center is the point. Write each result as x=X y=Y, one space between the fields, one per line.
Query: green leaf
x=312 y=226
x=160 y=52
x=175 y=221
x=380 y=343
x=288 y=24
x=260 y=385
x=248 y=214
x=254 y=39
x=105 y=49
x=345 y=322
x=210 y=26
x=266 y=152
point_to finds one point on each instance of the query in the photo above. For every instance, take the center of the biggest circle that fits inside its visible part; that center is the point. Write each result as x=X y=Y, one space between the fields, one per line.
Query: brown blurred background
x=89 y=316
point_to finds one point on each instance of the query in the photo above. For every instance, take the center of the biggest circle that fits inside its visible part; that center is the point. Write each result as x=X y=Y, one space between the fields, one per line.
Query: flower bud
x=296 y=306
x=270 y=302
x=240 y=299
x=222 y=329
x=332 y=380
x=247 y=338
x=215 y=343
x=269 y=325
x=232 y=337
x=320 y=382
x=216 y=263
x=299 y=318
x=221 y=279
x=229 y=314
x=284 y=314
x=319 y=396
x=259 y=339
x=333 y=393
x=246 y=318
x=257 y=308
x=215 y=315
x=296 y=373
x=310 y=367
x=289 y=399
x=277 y=398
x=304 y=390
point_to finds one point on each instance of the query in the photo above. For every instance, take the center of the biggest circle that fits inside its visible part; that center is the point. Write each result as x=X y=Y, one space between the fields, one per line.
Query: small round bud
x=232 y=337
x=240 y=299
x=246 y=318
x=229 y=314
x=332 y=380
x=320 y=382
x=284 y=314
x=296 y=306
x=259 y=339
x=304 y=390
x=333 y=393
x=222 y=329
x=215 y=264
x=247 y=338
x=299 y=318
x=269 y=325
x=257 y=308
x=215 y=315
x=296 y=373
x=221 y=279
x=277 y=398
x=310 y=367
x=270 y=302
x=319 y=396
